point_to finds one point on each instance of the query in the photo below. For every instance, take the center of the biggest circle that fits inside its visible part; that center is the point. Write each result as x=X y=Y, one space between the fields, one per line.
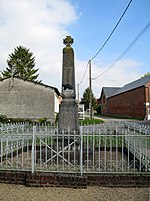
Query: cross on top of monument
x=68 y=41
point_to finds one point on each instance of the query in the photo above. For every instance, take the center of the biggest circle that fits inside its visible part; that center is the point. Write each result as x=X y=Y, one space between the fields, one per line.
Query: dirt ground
x=10 y=192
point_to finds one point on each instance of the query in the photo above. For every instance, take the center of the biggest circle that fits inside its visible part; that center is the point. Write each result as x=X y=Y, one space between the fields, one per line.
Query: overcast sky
x=41 y=26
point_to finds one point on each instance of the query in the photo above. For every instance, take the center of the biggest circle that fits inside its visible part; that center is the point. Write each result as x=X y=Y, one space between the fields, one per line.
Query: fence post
x=81 y=151
x=33 y=150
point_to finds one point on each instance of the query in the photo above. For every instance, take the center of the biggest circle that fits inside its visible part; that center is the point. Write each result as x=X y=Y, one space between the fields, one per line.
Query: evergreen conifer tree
x=86 y=99
x=21 y=63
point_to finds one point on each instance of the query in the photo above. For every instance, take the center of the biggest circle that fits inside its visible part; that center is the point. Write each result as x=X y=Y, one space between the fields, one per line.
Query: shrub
x=3 y=118
x=42 y=120
x=98 y=109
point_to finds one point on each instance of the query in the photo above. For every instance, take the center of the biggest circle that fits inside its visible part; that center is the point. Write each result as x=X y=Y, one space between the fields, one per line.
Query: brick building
x=106 y=92
x=22 y=99
x=132 y=100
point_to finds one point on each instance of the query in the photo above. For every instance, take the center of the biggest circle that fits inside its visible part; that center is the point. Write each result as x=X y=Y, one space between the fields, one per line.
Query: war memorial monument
x=68 y=110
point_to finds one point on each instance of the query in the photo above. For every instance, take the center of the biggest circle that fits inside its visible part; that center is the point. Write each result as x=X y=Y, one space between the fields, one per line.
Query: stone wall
x=26 y=100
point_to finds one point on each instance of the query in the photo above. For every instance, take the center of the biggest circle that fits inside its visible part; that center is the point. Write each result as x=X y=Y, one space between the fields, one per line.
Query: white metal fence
x=113 y=148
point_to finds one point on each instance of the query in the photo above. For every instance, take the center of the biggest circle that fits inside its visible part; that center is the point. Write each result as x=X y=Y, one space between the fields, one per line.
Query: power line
x=126 y=50
x=112 y=31
x=106 y=40
x=84 y=74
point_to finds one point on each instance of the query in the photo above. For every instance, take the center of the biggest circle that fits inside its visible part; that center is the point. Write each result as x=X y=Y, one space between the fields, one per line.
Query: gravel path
x=10 y=192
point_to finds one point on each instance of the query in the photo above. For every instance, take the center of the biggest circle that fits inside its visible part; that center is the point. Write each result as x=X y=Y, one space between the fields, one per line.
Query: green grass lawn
x=91 y=121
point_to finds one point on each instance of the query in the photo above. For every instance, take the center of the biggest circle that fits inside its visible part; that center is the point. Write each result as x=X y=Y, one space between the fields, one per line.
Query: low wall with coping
x=39 y=179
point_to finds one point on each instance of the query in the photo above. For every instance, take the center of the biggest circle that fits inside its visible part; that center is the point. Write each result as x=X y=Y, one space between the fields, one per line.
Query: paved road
x=111 y=119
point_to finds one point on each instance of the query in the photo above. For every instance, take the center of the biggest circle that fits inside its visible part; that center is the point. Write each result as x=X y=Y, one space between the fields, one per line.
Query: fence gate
x=57 y=152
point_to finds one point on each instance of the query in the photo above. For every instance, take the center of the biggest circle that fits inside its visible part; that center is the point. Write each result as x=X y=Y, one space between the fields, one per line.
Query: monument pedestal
x=68 y=114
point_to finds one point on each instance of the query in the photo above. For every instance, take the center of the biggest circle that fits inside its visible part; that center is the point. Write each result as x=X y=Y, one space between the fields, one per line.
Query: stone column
x=68 y=110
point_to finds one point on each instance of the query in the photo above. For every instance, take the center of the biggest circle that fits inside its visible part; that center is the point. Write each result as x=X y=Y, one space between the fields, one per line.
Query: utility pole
x=90 y=87
x=78 y=93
